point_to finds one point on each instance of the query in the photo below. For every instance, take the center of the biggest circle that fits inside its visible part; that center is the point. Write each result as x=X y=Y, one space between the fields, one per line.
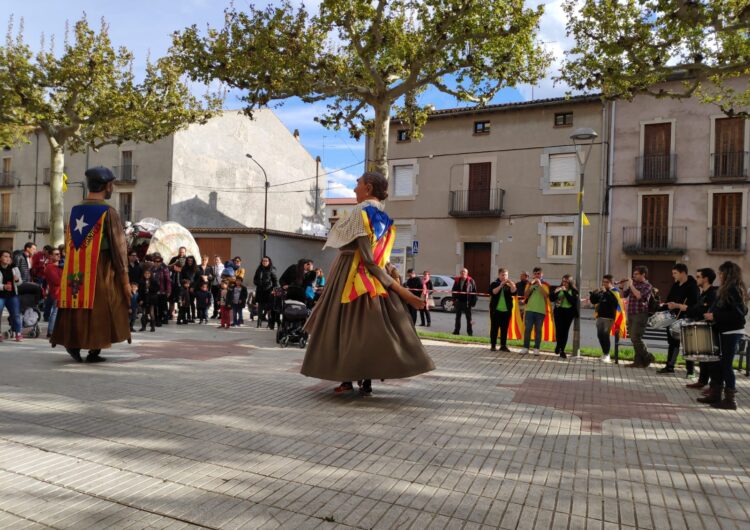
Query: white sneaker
x=523 y=351
x=536 y=351
x=605 y=359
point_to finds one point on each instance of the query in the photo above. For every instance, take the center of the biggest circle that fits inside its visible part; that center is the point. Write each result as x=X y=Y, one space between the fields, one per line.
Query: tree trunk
x=56 y=206
x=381 y=129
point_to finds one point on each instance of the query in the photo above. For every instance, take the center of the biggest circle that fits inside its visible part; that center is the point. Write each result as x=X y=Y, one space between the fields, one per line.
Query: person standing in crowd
x=148 y=298
x=203 y=300
x=465 y=297
x=501 y=308
x=239 y=270
x=225 y=304
x=10 y=277
x=164 y=281
x=135 y=269
x=565 y=298
x=427 y=289
x=358 y=332
x=190 y=272
x=175 y=267
x=728 y=315
x=239 y=299
x=682 y=295
x=320 y=283
x=521 y=286
x=53 y=277
x=22 y=260
x=415 y=286
x=184 y=298
x=39 y=262
x=704 y=278
x=93 y=314
x=638 y=290
x=606 y=301
x=537 y=297
x=134 y=303
x=214 y=280
x=265 y=281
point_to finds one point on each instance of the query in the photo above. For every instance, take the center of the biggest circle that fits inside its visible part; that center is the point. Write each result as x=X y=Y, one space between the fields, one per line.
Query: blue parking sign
x=415 y=247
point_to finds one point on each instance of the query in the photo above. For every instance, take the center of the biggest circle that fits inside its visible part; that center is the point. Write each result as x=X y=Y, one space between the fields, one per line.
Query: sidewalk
x=193 y=427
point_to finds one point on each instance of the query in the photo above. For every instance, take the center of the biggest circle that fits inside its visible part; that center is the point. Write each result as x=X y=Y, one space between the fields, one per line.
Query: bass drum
x=698 y=344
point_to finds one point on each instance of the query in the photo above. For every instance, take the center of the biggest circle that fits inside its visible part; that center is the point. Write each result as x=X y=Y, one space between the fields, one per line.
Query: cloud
x=341 y=183
x=337 y=190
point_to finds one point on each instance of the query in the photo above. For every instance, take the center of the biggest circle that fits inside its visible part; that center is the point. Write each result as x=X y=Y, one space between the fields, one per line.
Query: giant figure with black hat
x=94 y=291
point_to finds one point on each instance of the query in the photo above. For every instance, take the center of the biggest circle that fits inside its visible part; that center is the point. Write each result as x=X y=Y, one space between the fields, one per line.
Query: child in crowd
x=183 y=300
x=148 y=299
x=225 y=306
x=239 y=299
x=203 y=300
x=133 y=311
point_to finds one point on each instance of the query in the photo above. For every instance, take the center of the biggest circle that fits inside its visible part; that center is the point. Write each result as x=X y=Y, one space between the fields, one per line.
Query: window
x=6 y=175
x=656 y=161
x=729 y=157
x=403 y=181
x=560 y=240
x=563 y=119
x=481 y=127
x=726 y=222
x=126 y=207
x=5 y=217
x=335 y=213
x=127 y=166
x=562 y=170
x=402 y=135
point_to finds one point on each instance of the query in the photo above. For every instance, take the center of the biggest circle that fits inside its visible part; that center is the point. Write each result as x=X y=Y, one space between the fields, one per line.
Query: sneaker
x=606 y=359
x=523 y=351
x=19 y=337
x=536 y=351
x=691 y=377
x=504 y=348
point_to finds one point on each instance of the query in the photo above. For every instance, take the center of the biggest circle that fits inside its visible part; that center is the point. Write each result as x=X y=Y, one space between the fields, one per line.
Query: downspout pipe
x=610 y=180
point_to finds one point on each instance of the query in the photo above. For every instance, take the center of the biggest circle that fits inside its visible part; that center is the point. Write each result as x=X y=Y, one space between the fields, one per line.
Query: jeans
x=215 y=291
x=52 y=317
x=13 y=304
x=499 y=321
x=424 y=316
x=237 y=314
x=723 y=371
x=533 y=320
x=203 y=313
x=564 y=317
x=636 y=326
x=603 y=327
x=462 y=307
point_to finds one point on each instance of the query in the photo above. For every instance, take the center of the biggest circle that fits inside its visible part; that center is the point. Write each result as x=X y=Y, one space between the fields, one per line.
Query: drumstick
x=680 y=311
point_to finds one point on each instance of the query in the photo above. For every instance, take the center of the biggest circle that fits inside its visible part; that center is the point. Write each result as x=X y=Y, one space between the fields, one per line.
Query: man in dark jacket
x=414 y=284
x=22 y=260
x=464 y=295
x=501 y=308
x=135 y=271
x=684 y=292
x=705 y=279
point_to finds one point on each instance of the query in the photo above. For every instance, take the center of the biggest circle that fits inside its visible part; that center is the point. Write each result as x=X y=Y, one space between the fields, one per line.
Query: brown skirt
x=368 y=338
x=98 y=328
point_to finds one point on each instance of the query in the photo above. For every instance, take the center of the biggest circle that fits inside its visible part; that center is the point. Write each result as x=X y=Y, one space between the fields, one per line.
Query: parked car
x=443 y=285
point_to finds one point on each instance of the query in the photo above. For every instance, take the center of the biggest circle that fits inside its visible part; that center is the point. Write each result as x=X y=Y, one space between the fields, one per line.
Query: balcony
x=654 y=240
x=7 y=179
x=477 y=203
x=729 y=166
x=126 y=174
x=8 y=220
x=655 y=169
x=47 y=174
x=727 y=239
x=42 y=221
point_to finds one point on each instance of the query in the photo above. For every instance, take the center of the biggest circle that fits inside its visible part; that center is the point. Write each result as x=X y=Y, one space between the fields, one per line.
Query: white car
x=443 y=286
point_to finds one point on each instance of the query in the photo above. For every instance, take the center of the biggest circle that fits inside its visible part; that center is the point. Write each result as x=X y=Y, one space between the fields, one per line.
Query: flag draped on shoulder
x=516 y=327
x=382 y=234
x=83 y=238
x=620 y=325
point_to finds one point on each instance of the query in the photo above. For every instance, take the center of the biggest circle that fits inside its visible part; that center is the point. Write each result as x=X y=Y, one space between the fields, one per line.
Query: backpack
x=653 y=304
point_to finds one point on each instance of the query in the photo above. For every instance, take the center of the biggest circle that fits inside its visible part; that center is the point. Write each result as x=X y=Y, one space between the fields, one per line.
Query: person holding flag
x=501 y=309
x=94 y=289
x=609 y=314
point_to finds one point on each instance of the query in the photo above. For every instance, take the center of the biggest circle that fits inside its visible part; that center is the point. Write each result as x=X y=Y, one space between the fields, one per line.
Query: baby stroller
x=293 y=317
x=29 y=297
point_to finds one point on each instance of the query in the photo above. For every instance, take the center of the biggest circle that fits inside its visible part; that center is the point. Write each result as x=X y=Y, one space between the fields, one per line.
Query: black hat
x=98 y=177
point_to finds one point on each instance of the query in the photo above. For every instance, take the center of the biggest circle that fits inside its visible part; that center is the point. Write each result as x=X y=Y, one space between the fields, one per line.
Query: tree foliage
x=88 y=96
x=367 y=58
x=627 y=47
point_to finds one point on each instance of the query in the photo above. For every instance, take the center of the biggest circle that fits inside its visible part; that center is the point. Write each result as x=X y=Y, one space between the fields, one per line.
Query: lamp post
x=583 y=140
x=265 y=203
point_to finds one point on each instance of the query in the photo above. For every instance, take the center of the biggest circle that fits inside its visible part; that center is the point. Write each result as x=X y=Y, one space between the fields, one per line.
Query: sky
x=145 y=27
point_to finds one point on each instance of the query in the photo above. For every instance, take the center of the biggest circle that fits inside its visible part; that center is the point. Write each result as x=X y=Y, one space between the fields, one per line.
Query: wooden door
x=215 y=246
x=726 y=225
x=655 y=221
x=478 y=259
x=657 y=148
x=479 y=186
x=659 y=275
x=4 y=209
x=126 y=207
x=729 y=147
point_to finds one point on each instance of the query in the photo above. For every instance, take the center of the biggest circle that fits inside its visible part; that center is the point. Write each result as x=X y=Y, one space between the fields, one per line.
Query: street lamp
x=265 y=204
x=583 y=140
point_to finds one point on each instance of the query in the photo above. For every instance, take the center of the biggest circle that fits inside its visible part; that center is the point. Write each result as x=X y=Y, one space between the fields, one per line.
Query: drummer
x=705 y=278
x=682 y=295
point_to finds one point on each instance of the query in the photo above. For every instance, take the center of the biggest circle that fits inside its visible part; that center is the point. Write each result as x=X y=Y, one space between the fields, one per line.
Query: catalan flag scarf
x=382 y=234
x=83 y=239
x=516 y=327
x=620 y=325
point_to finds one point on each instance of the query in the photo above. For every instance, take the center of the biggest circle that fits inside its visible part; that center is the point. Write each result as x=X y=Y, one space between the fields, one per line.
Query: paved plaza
x=193 y=427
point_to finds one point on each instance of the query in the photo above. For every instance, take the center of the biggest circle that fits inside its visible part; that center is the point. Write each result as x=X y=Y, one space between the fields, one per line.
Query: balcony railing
x=42 y=220
x=126 y=173
x=477 y=203
x=655 y=168
x=7 y=179
x=47 y=174
x=731 y=166
x=654 y=239
x=8 y=220
x=729 y=239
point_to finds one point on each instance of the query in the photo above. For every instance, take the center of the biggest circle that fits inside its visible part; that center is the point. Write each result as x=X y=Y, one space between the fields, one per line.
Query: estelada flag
x=516 y=329
x=83 y=239
x=621 y=320
x=382 y=235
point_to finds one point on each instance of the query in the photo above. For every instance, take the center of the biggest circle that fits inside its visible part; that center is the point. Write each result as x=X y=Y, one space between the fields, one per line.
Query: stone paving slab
x=194 y=427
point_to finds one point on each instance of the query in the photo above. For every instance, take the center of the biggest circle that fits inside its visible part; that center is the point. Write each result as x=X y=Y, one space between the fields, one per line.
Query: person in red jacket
x=53 y=276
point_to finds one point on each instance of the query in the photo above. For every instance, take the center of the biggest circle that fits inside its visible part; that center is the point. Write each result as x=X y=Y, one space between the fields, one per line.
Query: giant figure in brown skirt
x=94 y=291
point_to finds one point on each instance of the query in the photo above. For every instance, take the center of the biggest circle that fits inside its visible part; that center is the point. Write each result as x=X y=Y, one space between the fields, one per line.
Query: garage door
x=212 y=246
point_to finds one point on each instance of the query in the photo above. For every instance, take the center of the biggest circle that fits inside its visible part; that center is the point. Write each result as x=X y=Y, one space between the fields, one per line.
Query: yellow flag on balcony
x=65 y=183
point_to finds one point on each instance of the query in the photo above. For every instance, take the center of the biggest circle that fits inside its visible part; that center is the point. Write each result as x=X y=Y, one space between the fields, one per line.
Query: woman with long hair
x=190 y=272
x=360 y=329
x=565 y=299
x=728 y=316
x=265 y=281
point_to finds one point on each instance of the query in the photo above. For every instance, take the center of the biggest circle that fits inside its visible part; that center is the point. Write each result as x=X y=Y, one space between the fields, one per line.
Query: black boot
x=75 y=353
x=729 y=402
x=365 y=387
x=94 y=357
x=714 y=396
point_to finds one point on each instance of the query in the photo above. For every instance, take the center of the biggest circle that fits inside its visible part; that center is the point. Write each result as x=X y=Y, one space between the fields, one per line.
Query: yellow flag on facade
x=65 y=183
x=584 y=218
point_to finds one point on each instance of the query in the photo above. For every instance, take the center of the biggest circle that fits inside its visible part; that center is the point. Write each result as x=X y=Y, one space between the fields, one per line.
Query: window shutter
x=562 y=169
x=403 y=236
x=403 y=185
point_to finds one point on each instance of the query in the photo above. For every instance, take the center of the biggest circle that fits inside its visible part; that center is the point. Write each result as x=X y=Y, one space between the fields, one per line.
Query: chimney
x=213 y=200
x=296 y=134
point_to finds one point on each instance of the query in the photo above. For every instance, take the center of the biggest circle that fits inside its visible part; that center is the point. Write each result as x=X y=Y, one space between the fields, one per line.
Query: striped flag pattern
x=78 y=283
x=359 y=280
x=516 y=329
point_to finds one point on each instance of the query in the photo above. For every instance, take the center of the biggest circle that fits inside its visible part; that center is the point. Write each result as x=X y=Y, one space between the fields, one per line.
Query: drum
x=660 y=320
x=698 y=343
x=675 y=330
